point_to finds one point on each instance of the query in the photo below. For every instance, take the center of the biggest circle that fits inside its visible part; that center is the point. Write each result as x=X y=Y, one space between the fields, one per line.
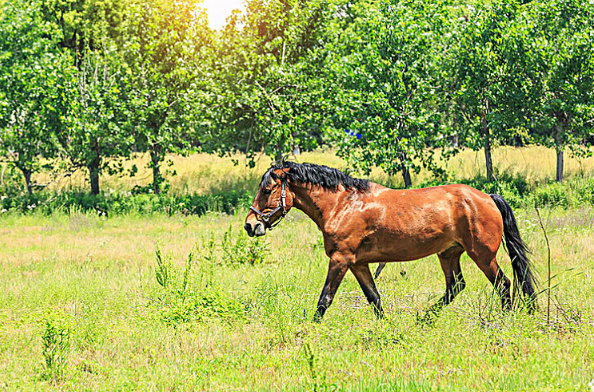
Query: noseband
x=266 y=217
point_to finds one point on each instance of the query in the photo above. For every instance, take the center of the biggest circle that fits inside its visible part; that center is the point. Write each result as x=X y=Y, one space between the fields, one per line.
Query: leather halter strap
x=266 y=217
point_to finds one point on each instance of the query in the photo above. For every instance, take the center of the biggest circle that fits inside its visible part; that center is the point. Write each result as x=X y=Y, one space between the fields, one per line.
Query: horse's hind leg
x=450 y=264
x=487 y=262
x=363 y=275
x=381 y=266
x=379 y=269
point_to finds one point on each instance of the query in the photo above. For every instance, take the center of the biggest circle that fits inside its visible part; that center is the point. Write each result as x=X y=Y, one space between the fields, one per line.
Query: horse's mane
x=326 y=177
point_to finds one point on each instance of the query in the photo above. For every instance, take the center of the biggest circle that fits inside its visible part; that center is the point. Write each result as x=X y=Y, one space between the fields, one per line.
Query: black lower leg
x=336 y=272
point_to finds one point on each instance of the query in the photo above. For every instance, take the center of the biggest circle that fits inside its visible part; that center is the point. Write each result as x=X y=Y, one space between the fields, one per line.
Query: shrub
x=182 y=300
x=125 y=202
x=239 y=250
x=552 y=195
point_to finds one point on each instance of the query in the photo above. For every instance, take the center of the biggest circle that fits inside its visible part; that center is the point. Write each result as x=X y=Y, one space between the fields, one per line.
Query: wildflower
x=352 y=133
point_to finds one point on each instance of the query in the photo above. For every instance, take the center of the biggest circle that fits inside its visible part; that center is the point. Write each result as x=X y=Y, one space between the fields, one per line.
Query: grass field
x=204 y=173
x=86 y=305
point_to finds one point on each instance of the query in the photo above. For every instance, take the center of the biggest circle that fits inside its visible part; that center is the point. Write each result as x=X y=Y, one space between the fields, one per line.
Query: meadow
x=174 y=302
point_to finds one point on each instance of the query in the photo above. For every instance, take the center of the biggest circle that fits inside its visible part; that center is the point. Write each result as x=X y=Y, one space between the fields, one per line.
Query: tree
x=165 y=50
x=561 y=49
x=91 y=115
x=28 y=54
x=489 y=87
x=387 y=67
x=268 y=91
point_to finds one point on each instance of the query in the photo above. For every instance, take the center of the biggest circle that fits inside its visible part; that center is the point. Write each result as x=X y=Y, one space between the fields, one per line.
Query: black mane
x=323 y=176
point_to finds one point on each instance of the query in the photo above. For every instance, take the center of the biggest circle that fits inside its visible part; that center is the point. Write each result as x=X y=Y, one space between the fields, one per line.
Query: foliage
x=560 y=74
x=390 y=83
x=28 y=59
x=125 y=203
x=165 y=60
x=55 y=349
x=387 y=63
x=241 y=250
x=91 y=126
x=268 y=93
x=182 y=301
x=488 y=87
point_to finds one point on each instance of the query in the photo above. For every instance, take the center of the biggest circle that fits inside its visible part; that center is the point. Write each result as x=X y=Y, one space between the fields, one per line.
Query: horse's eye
x=266 y=191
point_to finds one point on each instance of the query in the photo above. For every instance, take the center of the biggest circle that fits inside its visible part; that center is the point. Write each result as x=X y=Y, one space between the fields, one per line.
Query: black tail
x=518 y=251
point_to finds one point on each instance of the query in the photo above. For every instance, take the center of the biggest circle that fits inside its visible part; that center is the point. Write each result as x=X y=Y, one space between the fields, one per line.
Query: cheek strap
x=266 y=217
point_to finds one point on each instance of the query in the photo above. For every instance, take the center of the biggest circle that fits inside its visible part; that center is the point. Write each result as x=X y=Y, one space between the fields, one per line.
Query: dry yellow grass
x=202 y=173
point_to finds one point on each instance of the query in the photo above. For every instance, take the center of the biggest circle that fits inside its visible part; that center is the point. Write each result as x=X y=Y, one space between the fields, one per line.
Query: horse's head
x=273 y=201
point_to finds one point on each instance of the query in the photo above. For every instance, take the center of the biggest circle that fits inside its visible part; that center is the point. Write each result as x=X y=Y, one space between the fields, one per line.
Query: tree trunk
x=559 y=129
x=94 y=167
x=488 y=159
x=406 y=176
x=27 y=174
x=94 y=178
x=560 y=164
x=487 y=147
x=155 y=163
x=278 y=156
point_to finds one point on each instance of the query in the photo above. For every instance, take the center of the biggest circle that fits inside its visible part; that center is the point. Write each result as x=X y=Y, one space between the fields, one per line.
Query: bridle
x=266 y=217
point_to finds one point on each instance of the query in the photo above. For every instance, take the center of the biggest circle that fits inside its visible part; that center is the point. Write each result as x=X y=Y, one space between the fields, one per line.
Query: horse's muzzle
x=257 y=230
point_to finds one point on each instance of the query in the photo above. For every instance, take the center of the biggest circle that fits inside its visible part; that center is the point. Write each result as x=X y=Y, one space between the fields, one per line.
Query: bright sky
x=219 y=10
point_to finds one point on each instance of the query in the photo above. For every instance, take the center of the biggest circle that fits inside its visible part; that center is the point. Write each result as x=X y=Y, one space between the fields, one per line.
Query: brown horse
x=363 y=222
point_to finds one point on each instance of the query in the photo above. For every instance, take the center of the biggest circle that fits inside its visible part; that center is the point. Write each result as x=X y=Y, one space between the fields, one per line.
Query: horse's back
x=414 y=223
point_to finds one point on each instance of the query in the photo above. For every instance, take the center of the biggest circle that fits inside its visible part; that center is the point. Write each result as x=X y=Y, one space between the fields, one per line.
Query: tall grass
x=208 y=183
x=203 y=173
x=217 y=325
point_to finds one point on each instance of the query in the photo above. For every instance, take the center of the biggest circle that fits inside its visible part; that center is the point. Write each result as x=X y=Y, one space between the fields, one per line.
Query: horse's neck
x=314 y=202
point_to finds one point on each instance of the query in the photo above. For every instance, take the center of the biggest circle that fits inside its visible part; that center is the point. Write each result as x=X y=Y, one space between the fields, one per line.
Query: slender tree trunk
x=27 y=175
x=94 y=176
x=155 y=163
x=406 y=176
x=559 y=176
x=486 y=135
x=94 y=167
x=559 y=129
x=488 y=159
x=279 y=151
x=405 y=170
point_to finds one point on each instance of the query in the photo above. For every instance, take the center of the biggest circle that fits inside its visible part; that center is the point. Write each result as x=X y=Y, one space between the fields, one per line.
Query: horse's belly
x=391 y=247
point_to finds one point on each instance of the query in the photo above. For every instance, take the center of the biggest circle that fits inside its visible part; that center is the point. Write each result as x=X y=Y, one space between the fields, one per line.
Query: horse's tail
x=518 y=252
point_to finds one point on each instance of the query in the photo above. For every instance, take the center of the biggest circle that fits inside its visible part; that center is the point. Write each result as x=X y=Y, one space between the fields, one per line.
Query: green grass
x=236 y=326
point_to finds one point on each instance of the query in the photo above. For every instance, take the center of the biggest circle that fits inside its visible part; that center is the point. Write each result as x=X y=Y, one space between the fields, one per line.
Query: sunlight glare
x=219 y=10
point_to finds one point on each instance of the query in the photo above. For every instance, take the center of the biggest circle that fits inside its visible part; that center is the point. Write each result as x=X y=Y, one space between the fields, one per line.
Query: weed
x=182 y=301
x=55 y=347
x=237 y=250
x=161 y=270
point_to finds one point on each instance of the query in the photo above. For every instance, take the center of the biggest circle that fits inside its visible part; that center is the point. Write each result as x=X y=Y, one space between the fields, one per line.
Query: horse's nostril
x=249 y=229
x=259 y=229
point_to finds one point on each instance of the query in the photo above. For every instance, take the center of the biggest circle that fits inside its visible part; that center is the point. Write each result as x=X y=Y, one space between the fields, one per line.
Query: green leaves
x=28 y=63
x=387 y=64
x=267 y=87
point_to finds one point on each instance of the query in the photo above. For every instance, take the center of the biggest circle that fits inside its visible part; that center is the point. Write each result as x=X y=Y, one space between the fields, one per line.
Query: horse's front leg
x=336 y=271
